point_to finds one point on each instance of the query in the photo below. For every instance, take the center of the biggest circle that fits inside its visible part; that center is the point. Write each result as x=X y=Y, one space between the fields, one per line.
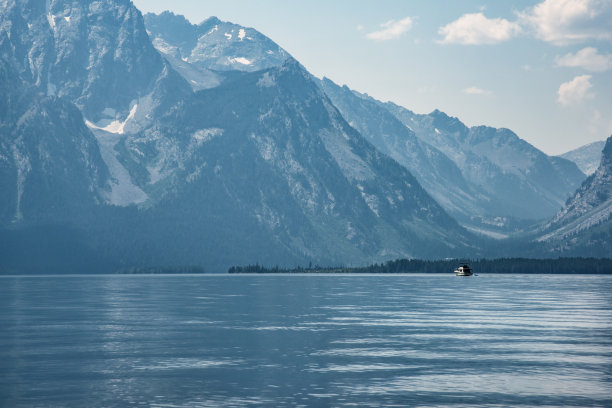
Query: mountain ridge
x=586 y=157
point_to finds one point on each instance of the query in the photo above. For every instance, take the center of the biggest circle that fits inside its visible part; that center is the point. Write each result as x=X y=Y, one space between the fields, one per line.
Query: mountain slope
x=586 y=157
x=585 y=224
x=525 y=182
x=273 y=151
x=438 y=174
x=47 y=154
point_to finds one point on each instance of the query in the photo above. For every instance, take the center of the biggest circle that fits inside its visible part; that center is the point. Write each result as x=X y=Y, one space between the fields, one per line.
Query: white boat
x=463 y=270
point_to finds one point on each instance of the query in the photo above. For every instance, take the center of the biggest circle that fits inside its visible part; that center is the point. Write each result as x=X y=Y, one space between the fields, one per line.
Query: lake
x=304 y=340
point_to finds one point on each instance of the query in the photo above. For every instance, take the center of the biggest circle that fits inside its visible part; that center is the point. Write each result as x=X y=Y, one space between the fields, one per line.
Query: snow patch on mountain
x=215 y=44
x=165 y=48
x=51 y=19
x=115 y=126
x=240 y=60
x=23 y=165
x=123 y=192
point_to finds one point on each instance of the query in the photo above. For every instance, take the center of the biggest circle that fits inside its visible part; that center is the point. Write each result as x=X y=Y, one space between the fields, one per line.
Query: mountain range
x=149 y=141
x=586 y=157
x=487 y=178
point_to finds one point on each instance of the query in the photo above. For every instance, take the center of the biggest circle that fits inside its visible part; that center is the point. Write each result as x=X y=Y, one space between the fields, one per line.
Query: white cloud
x=476 y=29
x=391 y=30
x=359 y=27
x=587 y=58
x=474 y=90
x=569 y=21
x=575 y=91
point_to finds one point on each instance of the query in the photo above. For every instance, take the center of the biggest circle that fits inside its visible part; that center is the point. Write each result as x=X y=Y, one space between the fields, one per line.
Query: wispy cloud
x=575 y=91
x=391 y=29
x=588 y=58
x=474 y=90
x=569 y=21
x=474 y=29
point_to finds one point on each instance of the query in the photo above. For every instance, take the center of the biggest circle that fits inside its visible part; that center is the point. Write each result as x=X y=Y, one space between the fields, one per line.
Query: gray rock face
x=50 y=168
x=96 y=54
x=586 y=157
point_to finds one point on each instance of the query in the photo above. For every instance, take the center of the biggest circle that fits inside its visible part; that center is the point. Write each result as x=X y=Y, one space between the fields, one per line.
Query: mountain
x=47 y=154
x=520 y=180
x=96 y=54
x=113 y=160
x=201 y=53
x=269 y=149
x=586 y=157
x=489 y=179
x=436 y=172
x=584 y=226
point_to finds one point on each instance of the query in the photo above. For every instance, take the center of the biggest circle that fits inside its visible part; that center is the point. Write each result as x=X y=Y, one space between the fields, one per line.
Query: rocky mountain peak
x=213 y=44
x=96 y=54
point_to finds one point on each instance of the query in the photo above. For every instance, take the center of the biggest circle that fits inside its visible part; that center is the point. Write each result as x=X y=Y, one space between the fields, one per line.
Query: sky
x=541 y=68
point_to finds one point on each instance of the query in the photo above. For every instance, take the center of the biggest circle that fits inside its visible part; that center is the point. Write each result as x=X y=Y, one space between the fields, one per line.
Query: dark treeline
x=163 y=270
x=502 y=265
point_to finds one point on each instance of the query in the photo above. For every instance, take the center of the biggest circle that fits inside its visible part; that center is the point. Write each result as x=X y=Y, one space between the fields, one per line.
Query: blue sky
x=541 y=68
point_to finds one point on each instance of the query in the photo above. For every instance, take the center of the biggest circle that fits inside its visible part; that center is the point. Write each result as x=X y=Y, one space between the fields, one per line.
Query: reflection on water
x=209 y=341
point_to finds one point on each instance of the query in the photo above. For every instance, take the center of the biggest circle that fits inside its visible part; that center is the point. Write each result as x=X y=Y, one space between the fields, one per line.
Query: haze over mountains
x=488 y=178
x=179 y=144
x=587 y=157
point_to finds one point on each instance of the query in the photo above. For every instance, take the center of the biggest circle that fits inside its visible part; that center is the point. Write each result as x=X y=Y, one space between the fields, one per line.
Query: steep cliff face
x=96 y=54
x=50 y=167
x=585 y=221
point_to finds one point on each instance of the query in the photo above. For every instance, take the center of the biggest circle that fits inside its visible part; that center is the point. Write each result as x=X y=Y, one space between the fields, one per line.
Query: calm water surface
x=191 y=341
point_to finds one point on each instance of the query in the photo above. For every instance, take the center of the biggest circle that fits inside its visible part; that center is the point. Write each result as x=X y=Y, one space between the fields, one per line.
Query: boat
x=463 y=270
